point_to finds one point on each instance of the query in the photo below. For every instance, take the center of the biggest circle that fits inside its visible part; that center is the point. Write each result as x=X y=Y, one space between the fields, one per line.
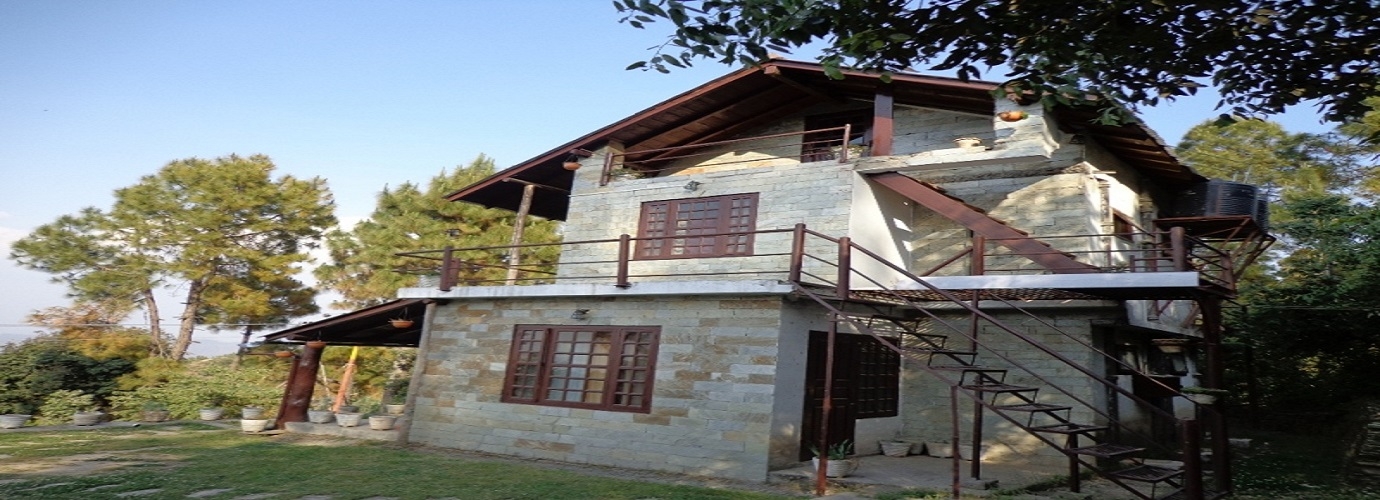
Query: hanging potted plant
x=400 y=323
x=840 y=463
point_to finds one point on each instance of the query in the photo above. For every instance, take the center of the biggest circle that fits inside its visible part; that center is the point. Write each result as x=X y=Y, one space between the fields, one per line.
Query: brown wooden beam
x=982 y=224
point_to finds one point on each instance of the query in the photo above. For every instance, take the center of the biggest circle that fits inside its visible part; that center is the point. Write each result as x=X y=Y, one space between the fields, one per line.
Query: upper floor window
x=697 y=227
x=598 y=367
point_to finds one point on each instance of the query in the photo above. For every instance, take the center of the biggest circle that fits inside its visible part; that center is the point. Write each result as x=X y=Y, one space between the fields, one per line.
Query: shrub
x=59 y=406
x=203 y=383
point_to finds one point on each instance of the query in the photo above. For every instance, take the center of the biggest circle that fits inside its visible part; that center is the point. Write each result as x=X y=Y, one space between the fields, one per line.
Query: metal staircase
x=978 y=373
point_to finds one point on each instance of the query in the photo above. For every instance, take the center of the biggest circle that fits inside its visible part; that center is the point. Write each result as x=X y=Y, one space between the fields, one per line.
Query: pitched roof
x=366 y=327
x=742 y=99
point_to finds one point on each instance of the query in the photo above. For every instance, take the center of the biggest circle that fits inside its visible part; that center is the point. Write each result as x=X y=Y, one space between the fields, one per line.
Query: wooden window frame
x=656 y=228
x=543 y=361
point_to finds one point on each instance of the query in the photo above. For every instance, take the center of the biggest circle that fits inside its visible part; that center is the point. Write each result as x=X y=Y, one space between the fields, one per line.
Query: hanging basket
x=571 y=165
x=401 y=323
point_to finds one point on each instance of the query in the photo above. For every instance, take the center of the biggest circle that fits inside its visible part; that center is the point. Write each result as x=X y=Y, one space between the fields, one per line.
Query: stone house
x=989 y=271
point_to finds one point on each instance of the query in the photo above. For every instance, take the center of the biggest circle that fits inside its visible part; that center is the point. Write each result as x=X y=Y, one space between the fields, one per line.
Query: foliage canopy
x=1263 y=55
x=223 y=231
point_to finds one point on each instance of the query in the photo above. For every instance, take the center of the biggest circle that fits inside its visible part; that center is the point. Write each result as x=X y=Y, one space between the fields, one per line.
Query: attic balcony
x=1171 y=264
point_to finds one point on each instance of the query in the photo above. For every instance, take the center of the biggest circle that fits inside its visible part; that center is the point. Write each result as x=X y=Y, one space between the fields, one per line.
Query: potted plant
x=400 y=323
x=252 y=412
x=212 y=409
x=153 y=411
x=13 y=420
x=895 y=447
x=840 y=463
x=1203 y=395
x=321 y=413
x=382 y=422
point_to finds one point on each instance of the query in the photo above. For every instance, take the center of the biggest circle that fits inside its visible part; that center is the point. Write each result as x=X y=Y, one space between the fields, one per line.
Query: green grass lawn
x=1294 y=467
x=198 y=458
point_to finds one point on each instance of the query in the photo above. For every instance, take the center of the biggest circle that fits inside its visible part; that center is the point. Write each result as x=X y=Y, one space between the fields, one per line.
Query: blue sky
x=95 y=94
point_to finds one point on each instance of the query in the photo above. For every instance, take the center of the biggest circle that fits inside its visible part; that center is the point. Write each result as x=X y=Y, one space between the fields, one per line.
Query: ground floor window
x=599 y=367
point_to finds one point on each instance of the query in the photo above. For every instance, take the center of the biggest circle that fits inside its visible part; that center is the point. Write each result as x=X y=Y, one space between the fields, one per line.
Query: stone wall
x=713 y=408
x=926 y=402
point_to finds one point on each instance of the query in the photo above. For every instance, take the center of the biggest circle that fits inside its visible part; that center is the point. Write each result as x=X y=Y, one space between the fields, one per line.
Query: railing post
x=843 y=148
x=448 y=269
x=1191 y=437
x=978 y=259
x=624 y=250
x=845 y=267
x=797 y=253
x=1178 y=249
x=607 y=169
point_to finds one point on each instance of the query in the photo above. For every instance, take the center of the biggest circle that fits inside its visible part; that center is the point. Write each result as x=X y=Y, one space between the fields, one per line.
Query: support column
x=883 y=125
x=1216 y=416
x=301 y=382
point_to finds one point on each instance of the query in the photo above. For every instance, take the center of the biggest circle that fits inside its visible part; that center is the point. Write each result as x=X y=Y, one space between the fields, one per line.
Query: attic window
x=697 y=227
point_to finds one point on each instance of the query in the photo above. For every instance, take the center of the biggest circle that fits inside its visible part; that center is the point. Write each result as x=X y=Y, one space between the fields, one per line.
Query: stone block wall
x=712 y=406
x=926 y=407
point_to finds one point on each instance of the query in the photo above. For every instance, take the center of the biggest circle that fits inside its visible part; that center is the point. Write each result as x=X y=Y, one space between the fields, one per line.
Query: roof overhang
x=745 y=98
x=370 y=326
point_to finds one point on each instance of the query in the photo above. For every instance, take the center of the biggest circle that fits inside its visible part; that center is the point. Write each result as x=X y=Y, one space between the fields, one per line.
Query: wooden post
x=301 y=381
x=797 y=253
x=519 y=224
x=448 y=269
x=1178 y=248
x=624 y=250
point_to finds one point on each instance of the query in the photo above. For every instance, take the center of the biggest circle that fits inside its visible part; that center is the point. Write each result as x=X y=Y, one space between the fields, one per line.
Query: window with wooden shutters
x=879 y=377
x=697 y=227
x=599 y=367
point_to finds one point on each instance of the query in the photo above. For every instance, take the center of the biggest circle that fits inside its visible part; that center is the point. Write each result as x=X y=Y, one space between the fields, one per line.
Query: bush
x=59 y=406
x=205 y=383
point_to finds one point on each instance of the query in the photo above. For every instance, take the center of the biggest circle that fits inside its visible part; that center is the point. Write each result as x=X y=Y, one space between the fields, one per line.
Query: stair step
x=1069 y=428
x=1181 y=495
x=1106 y=450
x=1033 y=407
x=999 y=388
x=1147 y=473
x=969 y=369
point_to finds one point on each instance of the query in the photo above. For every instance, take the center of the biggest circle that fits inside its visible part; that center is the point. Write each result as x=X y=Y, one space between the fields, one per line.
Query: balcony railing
x=800 y=255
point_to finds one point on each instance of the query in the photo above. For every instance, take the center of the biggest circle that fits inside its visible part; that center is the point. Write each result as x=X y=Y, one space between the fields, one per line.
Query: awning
x=371 y=326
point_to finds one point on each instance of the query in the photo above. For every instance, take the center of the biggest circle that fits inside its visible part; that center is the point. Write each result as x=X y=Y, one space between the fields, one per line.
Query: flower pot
x=13 y=420
x=896 y=448
x=837 y=468
x=1202 y=399
x=347 y=419
x=940 y=450
x=395 y=409
x=1012 y=116
x=252 y=412
x=154 y=415
x=87 y=418
x=348 y=409
x=571 y=165
x=320 y=416
x=210 y=413
x=316 y=344
x=968 y=142
x=253 y=424
x=382 y=422
x=400 y=323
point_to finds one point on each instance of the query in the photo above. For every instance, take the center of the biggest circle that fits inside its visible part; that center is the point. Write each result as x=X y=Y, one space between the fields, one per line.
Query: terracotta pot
x=1012 y=116
x=571 y=165
x=401 y=323
x=316 y=344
